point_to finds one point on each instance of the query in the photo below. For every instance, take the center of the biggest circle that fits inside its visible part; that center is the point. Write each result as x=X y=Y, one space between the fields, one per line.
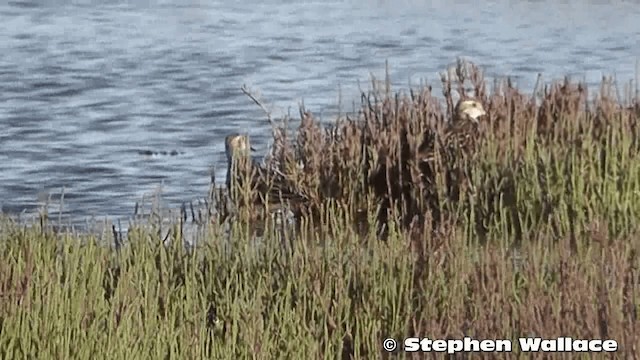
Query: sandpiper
x=459 y=133
x=464 y=125
x=248 y=181
x=240 y=164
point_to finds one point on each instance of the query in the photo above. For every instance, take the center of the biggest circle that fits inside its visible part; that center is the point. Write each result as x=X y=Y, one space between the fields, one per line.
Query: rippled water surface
x=85 y=85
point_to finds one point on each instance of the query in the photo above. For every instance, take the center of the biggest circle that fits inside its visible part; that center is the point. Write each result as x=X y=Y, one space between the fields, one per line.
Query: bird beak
x=252 y=148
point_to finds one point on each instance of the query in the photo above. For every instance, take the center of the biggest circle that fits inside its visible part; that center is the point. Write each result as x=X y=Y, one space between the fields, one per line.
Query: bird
x=248 y=182
x=240 y=164
x=459 y=145
x=461 y=131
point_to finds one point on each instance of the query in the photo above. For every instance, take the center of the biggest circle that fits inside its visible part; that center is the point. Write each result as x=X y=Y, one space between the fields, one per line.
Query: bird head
x=469 y=110
x=237 y=146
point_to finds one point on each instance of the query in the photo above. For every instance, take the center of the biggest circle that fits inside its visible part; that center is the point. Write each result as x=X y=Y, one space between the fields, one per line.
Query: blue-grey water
x=85 y=85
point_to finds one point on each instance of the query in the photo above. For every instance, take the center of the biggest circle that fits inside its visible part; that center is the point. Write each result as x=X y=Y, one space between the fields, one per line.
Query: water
x=85 y=85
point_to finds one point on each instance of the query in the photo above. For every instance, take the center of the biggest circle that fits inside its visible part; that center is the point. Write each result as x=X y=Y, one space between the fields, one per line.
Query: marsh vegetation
x=524 y=224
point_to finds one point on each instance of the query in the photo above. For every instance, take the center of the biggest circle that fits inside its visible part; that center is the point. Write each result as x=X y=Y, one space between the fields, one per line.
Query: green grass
x=314 y=299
